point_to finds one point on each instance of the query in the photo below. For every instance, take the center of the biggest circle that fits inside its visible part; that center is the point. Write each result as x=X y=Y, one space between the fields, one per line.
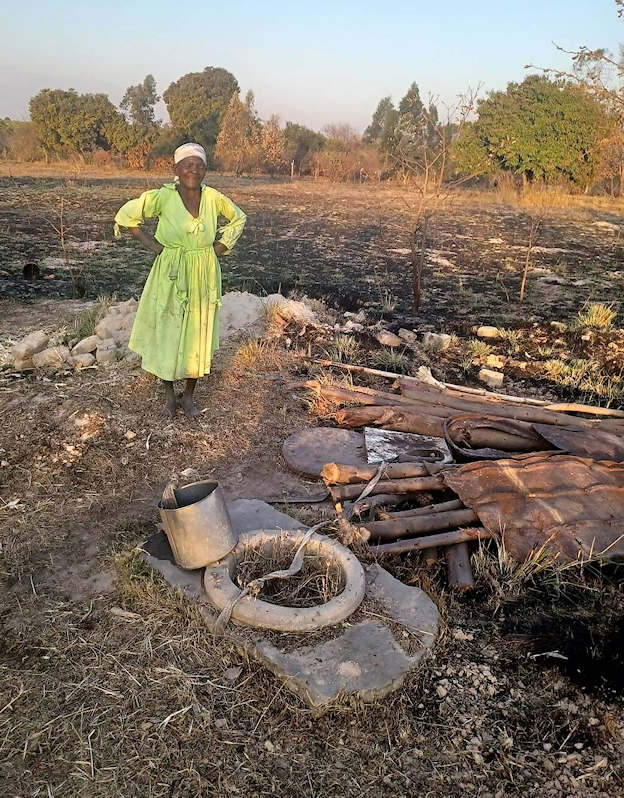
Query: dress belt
x=178 y=274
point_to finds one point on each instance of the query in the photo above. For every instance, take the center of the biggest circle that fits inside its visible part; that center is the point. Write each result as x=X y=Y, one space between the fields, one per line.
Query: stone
x=115 y=326
x=495 y=361
x=409 y=336
x=86 y=346
x=358 y=318
x=84 y=360
x=386 y=338
x=486 y=331
x=492 y=378
x=351 y=326
x=23 y=363
x=436 y=342
x=30 y=345
x=54 y=357
x=106 y=351
x=290 y=309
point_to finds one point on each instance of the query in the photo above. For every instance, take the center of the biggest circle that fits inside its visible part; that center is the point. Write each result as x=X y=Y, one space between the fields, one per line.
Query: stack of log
x=444 y=524
x=423 y=408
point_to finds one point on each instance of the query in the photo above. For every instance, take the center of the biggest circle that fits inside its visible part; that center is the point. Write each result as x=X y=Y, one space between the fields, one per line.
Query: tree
x=601 y=75
x=66 y=121
x=411 y=103
x=138 y=102
x=238 y=146
x=375 y=131
x=273 y=145
x=197 y=103
x=540 y=129
x=300 y=142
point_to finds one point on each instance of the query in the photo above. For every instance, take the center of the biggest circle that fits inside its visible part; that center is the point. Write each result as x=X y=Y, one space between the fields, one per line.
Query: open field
x=109 y=683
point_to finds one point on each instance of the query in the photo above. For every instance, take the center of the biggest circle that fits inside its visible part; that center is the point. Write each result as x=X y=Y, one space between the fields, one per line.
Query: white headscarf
x=188 y=150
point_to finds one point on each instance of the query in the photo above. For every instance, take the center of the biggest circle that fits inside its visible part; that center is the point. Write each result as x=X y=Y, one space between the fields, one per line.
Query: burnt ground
x=343 y=244
x=109 y=683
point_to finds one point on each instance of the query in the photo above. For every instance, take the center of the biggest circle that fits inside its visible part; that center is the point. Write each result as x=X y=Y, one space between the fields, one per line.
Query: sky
x=314 y=63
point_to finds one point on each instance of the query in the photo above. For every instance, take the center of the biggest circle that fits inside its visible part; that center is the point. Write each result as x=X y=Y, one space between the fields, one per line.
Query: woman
x=176 y=329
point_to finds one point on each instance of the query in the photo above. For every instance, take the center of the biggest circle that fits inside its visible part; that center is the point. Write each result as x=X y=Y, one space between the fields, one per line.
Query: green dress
x=176 y=330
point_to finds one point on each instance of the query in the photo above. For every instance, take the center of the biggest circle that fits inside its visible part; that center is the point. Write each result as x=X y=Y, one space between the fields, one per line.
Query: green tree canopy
x=138 y=102
x=72 y=122
x=382 y=126
x=411 y=103
x=539 y=128
x=197 y=102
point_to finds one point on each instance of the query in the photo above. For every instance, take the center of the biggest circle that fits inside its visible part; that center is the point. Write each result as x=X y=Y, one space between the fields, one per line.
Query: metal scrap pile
x=545 y=477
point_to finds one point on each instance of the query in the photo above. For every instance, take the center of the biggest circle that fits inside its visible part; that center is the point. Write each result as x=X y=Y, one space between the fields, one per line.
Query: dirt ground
x=109 y=683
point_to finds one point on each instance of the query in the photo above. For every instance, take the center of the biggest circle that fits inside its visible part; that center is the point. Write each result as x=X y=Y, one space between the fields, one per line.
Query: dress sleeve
x=136 y=211
x=230 y=232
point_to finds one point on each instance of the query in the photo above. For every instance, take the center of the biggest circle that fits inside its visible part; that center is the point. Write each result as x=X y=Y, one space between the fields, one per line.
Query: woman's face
x=190 y=171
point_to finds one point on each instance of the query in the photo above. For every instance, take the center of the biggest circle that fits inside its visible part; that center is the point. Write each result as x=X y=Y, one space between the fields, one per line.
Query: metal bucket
x=199 y=529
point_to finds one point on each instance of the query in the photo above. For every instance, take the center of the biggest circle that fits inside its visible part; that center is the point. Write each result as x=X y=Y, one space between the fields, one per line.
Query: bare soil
x=109 y=682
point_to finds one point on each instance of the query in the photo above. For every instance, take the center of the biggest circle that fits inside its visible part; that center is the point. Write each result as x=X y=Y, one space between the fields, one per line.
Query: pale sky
x=313 y=63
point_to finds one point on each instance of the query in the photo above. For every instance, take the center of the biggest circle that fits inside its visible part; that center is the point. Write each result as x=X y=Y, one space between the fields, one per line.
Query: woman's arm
x=230 y=233
x=149 y=242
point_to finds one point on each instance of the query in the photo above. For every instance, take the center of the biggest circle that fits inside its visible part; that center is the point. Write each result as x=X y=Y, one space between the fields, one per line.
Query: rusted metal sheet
x=573 y=506
x=475 y=437
x=584 y=443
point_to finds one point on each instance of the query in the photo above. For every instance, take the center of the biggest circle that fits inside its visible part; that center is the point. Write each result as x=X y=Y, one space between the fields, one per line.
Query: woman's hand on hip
x=219 y=248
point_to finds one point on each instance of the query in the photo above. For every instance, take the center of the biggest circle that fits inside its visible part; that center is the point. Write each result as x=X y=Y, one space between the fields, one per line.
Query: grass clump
x=83 y=324
x=390 y=360
x=587 y=378
x=512 y=339
x=388 y=302
x=343 y=349
x=597 y=316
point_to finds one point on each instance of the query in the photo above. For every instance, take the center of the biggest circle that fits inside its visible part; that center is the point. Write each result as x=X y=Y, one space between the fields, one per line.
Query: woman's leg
x=188 y=403
x=170 y=399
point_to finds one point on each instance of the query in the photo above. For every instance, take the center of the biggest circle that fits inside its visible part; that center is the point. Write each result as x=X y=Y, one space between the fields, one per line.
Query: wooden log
x=333 y=473
x=442 y=507
x=397 y=418
x=342 y=493
x=428 y=541
x=427 y=397
x=382 y=499
x=400 y=527
x=352 y=393
x=466 y=389
x=574 y=407
x=458 y=568
x=393 y=375
x=431 y=556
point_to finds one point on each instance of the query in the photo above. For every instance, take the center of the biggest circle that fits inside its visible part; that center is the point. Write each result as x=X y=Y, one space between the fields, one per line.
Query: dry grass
x=587 y=379
x=317 y=582
x=598 y=316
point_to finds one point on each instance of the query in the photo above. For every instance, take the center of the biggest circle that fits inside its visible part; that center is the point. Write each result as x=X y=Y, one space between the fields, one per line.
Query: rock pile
x=241 y=312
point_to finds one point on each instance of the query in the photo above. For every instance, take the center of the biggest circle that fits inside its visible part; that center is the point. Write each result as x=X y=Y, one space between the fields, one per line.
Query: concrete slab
x=368 y=659
x=365 y=660
x=408 y=606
